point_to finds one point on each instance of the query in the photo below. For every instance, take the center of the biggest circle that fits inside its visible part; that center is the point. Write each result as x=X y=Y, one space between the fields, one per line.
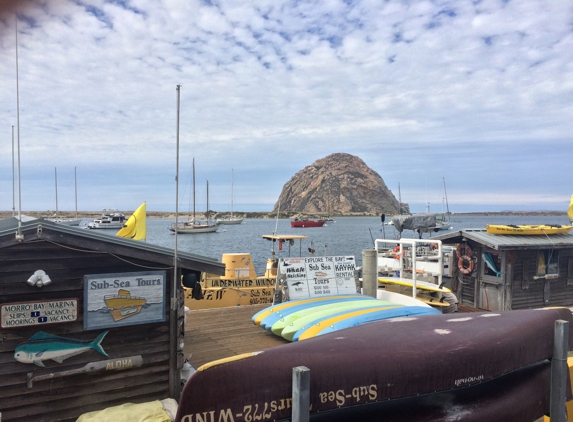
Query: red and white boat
x=306 y=222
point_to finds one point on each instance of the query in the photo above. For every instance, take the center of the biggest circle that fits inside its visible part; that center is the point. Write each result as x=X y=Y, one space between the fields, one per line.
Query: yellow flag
x=570 y=210
x=136 y=226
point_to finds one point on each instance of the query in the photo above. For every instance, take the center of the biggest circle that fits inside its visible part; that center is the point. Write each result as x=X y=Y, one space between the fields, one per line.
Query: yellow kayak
x=528 y=230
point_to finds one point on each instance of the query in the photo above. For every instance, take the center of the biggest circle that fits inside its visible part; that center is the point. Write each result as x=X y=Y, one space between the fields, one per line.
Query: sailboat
x=443 y=221
x=195 y=225
x=56 y=218
x=230 y=219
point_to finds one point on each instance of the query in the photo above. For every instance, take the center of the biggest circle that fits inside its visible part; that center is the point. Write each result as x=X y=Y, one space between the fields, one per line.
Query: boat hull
x=229 y=221
x=430 y=361
x=537 y=230
x=307 y=223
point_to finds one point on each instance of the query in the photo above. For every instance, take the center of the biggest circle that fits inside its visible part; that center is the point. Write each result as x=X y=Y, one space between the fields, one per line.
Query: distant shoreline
x=265 y=215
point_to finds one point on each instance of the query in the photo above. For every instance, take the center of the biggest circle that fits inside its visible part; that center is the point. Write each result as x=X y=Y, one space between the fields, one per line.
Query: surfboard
x=308 y=321
x=525 y=230
x=278 y=326
x=259 y=316
x=268 y=321
x=360 y=317
x=421 y=285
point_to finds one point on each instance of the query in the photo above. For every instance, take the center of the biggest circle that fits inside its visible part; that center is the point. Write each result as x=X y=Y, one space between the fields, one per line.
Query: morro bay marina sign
x=38 y=313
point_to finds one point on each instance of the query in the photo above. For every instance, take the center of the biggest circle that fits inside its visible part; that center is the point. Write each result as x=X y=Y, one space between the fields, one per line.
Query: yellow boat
x=123 y=304
x=240 y=285
x=528 y=230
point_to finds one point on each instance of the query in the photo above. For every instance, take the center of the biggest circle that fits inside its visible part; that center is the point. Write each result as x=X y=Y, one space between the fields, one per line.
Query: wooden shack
x=88 y=320
x=507 y=272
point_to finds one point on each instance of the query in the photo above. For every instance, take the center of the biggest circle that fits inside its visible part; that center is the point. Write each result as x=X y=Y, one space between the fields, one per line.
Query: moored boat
x=110 y=219
x=307 y=222
x=528 y=230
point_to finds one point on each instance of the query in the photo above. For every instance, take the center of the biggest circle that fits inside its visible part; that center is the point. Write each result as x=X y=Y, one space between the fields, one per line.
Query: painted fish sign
x=43 y=346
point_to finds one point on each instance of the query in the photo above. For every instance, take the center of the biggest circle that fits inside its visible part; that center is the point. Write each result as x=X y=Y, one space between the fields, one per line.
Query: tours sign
x=318 y=276
x=24 y=314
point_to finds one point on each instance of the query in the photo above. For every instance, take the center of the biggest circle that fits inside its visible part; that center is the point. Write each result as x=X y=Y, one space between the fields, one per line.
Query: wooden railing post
x=369 y=272
x=300 y=394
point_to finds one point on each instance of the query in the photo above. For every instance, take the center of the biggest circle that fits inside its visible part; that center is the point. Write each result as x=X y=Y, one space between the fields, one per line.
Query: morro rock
x=337 y=184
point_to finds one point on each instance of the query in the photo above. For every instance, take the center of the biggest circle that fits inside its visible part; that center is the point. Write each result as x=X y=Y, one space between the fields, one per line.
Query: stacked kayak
x=306 y=318
x=527 y=230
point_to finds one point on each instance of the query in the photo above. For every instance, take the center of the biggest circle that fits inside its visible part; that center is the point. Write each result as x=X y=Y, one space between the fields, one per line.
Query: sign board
x=24 y=314
x=114 y=300
x=318 y=276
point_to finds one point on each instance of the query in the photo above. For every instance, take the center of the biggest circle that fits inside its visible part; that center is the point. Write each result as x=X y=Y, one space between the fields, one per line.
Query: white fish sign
x=43 y=346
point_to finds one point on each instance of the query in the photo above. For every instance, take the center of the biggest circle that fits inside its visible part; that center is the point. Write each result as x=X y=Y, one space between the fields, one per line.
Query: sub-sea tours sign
x=319 y=276
x=38 y=313
x=113 y=300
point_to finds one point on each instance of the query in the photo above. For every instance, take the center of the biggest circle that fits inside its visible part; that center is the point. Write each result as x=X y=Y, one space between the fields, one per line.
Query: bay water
x=344 y=236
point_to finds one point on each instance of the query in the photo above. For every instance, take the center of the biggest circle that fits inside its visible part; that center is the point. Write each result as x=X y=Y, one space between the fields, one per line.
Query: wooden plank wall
x=530 y=294
x=64 y=399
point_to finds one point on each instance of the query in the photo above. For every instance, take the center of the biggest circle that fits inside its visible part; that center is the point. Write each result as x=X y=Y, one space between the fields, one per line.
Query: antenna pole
x=19 y=232
x=174 y=294
x=13 y=185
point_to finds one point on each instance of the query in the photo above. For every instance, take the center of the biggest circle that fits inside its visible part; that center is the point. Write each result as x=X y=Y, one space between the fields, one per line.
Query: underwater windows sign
x=114 y=300
x=319 y=276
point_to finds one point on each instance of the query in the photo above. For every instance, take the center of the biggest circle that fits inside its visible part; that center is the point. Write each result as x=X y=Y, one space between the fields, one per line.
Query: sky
x=478 y=94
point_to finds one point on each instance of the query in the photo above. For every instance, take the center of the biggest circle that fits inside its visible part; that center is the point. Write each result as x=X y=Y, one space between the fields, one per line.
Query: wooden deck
x=213 y=334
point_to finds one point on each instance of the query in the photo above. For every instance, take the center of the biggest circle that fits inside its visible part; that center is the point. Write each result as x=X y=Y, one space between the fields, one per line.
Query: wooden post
x=369 y=272
x=559 y=372
x=300 y=394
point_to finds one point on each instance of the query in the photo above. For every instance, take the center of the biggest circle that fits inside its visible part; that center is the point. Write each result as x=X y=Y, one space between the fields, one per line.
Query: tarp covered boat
x=492 y=365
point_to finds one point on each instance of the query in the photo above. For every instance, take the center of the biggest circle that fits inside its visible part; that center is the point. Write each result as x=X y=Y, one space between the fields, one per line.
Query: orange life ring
x=397 y=250
x=465 y=264
x=463 y=249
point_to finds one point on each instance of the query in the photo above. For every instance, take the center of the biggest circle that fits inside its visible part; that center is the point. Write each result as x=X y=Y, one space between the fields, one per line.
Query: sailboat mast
x=56 y=181
x=446 y=196
x=13 y=186
x=231 y=193
x=399 y=200
x=193 y=190
x=207 y=212
x=76 y=191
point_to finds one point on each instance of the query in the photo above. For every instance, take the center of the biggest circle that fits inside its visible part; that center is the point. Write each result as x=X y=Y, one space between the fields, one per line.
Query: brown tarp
x=384 y=363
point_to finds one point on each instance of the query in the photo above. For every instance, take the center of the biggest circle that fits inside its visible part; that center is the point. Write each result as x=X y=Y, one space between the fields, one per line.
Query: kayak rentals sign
x=318 y=276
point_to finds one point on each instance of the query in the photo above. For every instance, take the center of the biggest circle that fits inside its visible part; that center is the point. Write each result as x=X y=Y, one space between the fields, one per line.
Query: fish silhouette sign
x=43 y=346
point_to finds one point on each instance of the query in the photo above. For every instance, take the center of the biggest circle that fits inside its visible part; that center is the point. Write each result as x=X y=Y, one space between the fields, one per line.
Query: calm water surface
x=345 y=236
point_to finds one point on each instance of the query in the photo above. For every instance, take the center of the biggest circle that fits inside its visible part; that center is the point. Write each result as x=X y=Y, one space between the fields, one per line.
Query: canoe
x=361 y=317
x=322 y=310
x=420 y=285
x=305 y=323
x=262 y=314
x=274 y=317
x=524 y=230
x=423 y=369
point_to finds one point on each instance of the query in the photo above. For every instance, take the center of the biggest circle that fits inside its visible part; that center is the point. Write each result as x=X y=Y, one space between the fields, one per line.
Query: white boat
x=230 y=219
x=61 y=220
x=110 y=219
x=195 y=225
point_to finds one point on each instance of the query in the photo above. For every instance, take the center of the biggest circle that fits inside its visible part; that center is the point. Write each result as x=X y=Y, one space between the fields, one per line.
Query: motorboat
x=110 y=219
x=307 y=222
x=123 y=305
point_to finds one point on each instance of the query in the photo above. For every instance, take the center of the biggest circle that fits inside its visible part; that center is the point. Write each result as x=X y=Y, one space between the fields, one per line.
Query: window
x=547 y=262
x=492 y=264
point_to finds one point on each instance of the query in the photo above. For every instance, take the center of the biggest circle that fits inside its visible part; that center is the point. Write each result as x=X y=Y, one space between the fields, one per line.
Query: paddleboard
x=525 y=230
x=259 y=316
x=290 y=330
x=420 y=285
x=268 y=321
x=360 y=317
x=278 y=326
